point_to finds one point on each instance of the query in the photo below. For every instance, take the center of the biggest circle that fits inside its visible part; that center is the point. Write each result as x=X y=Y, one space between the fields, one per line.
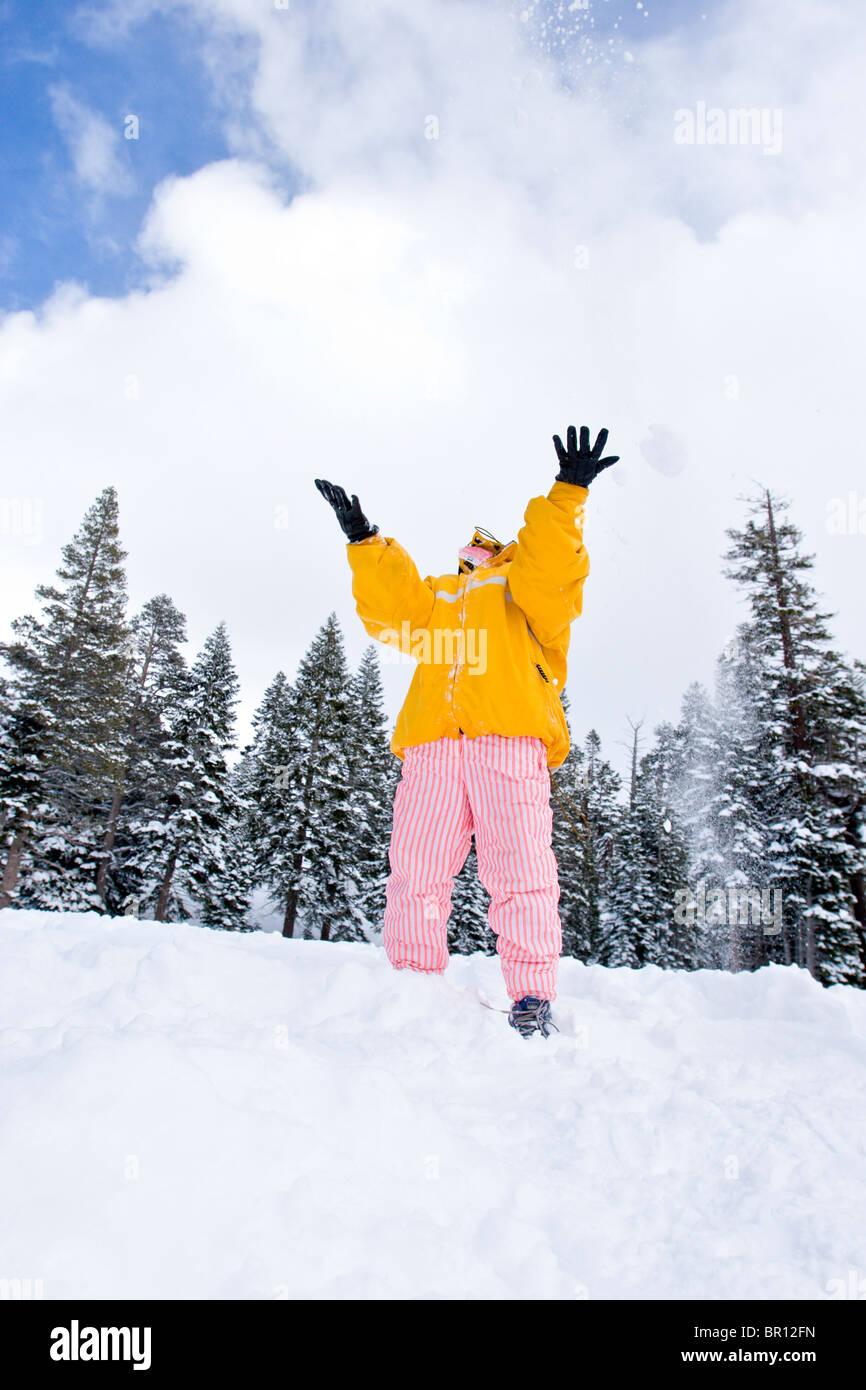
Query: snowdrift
x=196 y=1114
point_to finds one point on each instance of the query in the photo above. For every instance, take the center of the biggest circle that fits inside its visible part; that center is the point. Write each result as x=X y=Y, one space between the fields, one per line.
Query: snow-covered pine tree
x=319 y=884
x=243 y=880
x=839 y=734
x=70 y=668
x=265 y=793
x=22 y=738
x=630 y=897
x=812 y=717
x=695 y=793
x=601 y=809
x=583 y=840
x=829 y=835
x=699 y=737
x=223 y=897
x=156 y=688
x=741 y=812
x=665 y=844
x=566 y=801
x=199 y=872
x=631 y=900
x=373 y=775
x=650 y=863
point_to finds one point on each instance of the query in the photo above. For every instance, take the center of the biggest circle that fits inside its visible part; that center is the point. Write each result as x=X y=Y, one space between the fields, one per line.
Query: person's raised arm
x=551 y=564
x=386 y=586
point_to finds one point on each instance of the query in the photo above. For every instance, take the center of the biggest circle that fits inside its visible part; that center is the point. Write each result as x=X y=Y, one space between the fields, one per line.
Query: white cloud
x=416 y=326
x=93 y=143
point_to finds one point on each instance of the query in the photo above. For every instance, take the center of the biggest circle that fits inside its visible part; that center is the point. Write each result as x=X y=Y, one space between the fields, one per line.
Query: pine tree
x=70 y=670
x=651 y=863
x=703 y=748
x=701 y=742
x=317 y=881
x=585 y=791
x=199 y=869
x=630 y=899
x=812 y=718
x=223 y=894
x=156 y=688
x=373 y=772
x=265 y=793
x=674 y=944
x=839 y=733
x=742 y=809
x=22 y=739
x=567 y=833
x=629 y=938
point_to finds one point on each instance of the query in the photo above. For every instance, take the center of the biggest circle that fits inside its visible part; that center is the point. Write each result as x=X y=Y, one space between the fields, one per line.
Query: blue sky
x=54 y=227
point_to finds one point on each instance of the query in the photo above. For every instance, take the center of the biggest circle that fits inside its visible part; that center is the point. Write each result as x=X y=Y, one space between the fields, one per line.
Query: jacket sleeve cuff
x=568 y=495
x=365 y=540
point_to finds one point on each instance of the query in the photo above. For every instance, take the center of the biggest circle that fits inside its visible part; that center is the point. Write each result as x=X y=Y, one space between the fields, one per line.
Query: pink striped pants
x=500 y=789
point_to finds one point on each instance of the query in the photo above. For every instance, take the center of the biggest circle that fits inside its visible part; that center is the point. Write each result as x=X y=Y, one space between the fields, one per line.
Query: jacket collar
x=502 y=557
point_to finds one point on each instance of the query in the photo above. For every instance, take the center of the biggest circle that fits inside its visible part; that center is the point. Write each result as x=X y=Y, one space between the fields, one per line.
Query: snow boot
x=530 y=1015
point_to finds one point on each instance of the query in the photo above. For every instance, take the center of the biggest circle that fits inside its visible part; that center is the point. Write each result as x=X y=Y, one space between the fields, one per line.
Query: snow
x=198 y=1114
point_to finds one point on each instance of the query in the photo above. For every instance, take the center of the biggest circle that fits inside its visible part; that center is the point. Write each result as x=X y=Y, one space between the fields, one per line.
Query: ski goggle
x=480 y=548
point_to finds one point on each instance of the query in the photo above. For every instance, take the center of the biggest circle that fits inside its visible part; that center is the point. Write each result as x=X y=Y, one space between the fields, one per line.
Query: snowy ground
x=193 y=1114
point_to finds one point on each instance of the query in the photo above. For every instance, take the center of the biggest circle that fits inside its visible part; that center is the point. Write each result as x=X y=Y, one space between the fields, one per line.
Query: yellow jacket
x=491 y=646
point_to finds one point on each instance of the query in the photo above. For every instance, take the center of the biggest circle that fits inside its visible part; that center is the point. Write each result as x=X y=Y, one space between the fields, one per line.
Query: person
x=482 y=724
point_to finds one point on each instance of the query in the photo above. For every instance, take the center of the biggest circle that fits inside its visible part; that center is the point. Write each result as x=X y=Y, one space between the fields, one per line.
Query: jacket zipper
x=455 y=669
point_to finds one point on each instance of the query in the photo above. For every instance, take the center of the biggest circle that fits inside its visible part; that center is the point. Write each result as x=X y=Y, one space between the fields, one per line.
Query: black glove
x=581 y=465
x=349 y=514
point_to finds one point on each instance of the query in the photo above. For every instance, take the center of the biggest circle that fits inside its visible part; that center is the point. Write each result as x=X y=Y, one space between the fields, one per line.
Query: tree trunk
x=857 y=880
x=85 y=594
x=798 y=718
x=108 y=841
x=811 y=953
x=165 y=888
x=117 y=798
x=635 y=731
x=290 y=913
x=294 y=895
x=298 y=864
x=12 y=869
x=736 y=952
